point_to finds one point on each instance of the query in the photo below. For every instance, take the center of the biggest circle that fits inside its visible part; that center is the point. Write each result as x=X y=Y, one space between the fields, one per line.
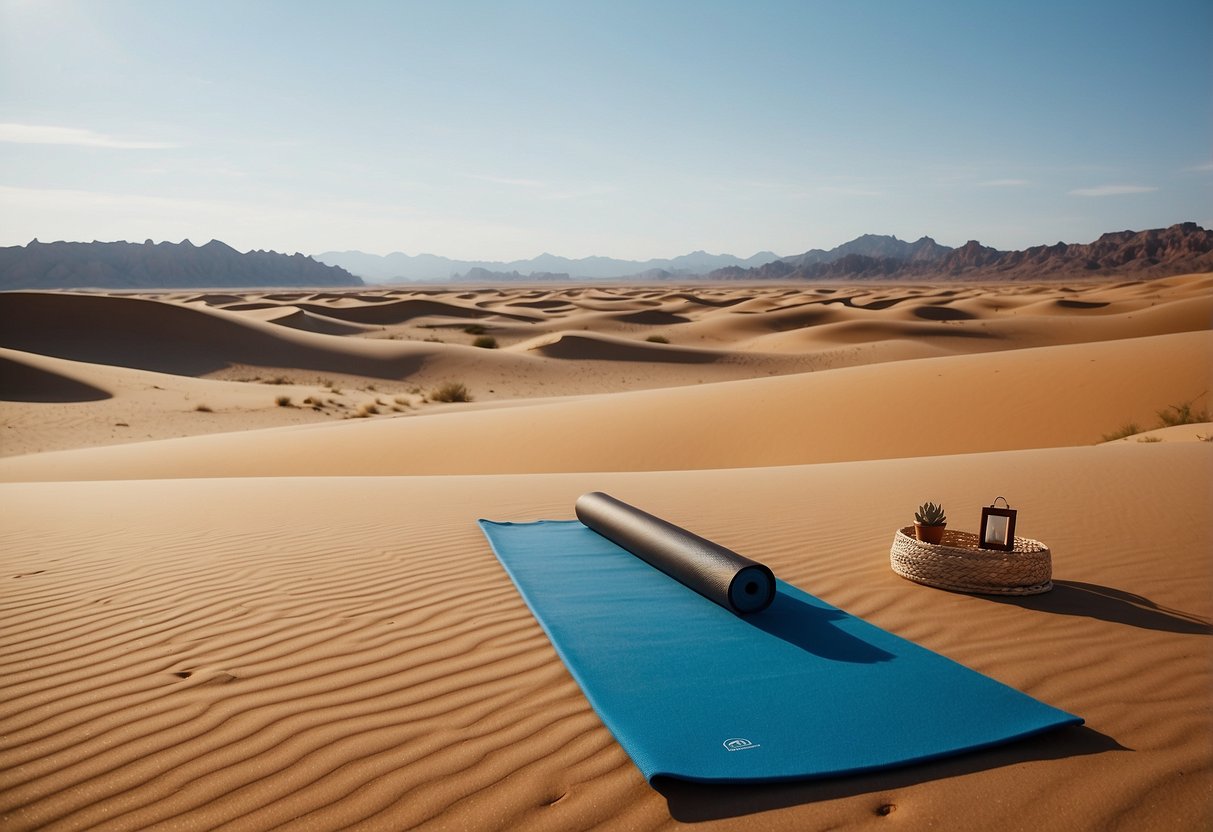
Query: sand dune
x=26 y=382
x=1044 y=397
x=166 y=337
x=591 y=347
x=222 y=610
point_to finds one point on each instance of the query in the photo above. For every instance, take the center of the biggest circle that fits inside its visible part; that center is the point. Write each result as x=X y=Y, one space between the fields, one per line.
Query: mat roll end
x=721 y=575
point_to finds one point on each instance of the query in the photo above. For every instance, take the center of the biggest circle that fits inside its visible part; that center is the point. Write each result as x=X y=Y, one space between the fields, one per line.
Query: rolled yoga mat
x=719 y=574
x=798 y=690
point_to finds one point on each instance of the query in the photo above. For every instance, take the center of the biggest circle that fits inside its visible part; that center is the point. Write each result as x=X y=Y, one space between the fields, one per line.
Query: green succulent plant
x=930 y=514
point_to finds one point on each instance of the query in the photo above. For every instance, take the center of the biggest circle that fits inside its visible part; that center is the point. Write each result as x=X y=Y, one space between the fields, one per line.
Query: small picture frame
x=997 y=527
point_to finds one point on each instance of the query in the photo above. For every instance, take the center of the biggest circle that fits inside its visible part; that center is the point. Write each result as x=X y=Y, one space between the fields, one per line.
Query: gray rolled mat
x=719 y=574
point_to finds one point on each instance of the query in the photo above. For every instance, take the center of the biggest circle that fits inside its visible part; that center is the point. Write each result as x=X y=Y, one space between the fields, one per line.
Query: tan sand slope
x=331 y=652
x=172 y=338
x=1047 y=397
x=376 y=353
x=97 y=404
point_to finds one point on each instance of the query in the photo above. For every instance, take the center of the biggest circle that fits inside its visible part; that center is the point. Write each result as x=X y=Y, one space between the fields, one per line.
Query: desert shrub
x=204 y=408
x=658 y=339
x=488 y=342
x=1125 y=430
x=367 y=409
x=1182 y=414
x=283 y=401
x=279 y=380
x=452 y=391
x=475 y=329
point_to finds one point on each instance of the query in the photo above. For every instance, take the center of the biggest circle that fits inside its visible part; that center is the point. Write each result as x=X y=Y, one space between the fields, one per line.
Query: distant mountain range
x=123 y=265
x=1185 y=247
x=397 y=266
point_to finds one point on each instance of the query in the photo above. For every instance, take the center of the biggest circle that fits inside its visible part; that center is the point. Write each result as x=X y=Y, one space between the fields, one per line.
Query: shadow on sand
x=697 y=802
x=1107 y=604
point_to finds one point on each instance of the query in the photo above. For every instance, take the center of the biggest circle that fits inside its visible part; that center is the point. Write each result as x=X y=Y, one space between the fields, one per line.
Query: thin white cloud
x=548 y=190
x=1113 y=190
x=48 y=134
x=587 y=192
x=1207 y=167
x=1004 y=183
x=847 y=190
x=503 y=180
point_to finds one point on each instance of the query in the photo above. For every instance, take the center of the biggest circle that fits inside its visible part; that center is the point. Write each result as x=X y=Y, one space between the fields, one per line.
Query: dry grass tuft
x=1125 y=430
x=1182 y=414
x=452 y=391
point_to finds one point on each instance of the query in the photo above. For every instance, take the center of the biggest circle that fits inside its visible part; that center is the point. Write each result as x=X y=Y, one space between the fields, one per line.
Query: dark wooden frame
x=991 y=511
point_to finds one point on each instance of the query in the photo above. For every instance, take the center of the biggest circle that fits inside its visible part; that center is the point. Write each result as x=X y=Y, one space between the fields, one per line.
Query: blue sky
x=636 y=130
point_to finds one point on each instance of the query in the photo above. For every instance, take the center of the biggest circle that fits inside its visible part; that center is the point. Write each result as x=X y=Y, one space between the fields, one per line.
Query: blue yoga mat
x=799 y=690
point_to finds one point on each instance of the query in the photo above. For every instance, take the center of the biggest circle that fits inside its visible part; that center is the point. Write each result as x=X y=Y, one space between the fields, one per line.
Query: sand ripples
x=247 y=680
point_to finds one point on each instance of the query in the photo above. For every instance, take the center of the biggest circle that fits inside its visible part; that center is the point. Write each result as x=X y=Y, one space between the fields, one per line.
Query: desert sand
x=244 y=587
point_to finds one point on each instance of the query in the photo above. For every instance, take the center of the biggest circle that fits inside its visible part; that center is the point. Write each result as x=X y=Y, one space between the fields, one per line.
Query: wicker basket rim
x=1023 y=546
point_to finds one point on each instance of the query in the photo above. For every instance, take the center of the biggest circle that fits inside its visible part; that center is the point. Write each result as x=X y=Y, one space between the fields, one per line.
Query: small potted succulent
x=929 y=523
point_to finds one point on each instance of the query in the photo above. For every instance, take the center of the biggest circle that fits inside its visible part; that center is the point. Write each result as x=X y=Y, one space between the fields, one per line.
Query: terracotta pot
x=929 y=534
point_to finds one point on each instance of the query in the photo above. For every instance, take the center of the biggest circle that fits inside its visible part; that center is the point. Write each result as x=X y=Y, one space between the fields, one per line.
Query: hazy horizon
x=486 y=132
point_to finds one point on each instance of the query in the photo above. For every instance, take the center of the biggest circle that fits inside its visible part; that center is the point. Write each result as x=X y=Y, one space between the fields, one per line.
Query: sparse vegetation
x=279 y=380
x=204 y=408
x=283 y=401
x=658 y=339
x=487 y=342
x=367 y=409
x=1149 y=439
x=1124 y=430
x=452 y=391
x=1182 y=414
x=475 y=329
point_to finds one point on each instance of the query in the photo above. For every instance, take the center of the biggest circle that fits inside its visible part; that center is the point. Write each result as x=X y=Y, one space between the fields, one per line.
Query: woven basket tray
x=960 y=565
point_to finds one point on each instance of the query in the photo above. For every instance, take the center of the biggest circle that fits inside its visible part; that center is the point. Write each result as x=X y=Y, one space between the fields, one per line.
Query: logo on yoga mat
x=739 y=744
